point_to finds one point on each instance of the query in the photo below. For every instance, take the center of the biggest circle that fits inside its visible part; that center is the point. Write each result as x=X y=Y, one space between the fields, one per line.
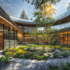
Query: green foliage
x=15 y=54
x=42 y=19
x=18 y=39
x=31 y=19
x=65 y=66
x=41 y=50
x=21 y=56
x=68 y=8
x=41 y=57
x=8 y=53
x=27 y=55
x=38 y=57
x=23 y=15
x=4 y=59
x=1 y=59
x=49 y=50
x=38 y=3
x=56 y=51
x=54 y=39
x=24 y=43
x=64 y=54
x=34 y=56
x=53 y=67
x=55 y=55
x=48 y=54
x=5 y=50
x=52 y=49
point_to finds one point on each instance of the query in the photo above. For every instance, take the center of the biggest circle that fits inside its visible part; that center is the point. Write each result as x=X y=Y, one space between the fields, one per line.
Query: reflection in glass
x=6 y=37
x=62 y=26
x=66 y=25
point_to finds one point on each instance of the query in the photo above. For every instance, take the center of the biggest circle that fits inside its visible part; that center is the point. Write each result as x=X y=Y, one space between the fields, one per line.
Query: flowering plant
x=66 y=48
x=21 y=51
x=11 y=50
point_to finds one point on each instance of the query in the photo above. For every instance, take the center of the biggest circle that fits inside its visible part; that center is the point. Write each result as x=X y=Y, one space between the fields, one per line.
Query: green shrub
x=41 y=57
x=65 y=66
x=41 y=50
x=64 y=53
x=55 y=55
x=56 y=51
x=15 y=54
x=38 y=57
x=26 y=55
x=53 y=67
x=52 y=49
x=49 y=50
x=33 y=57
x=21 y=56
x=4 y=59
x=1 y=59
x=48 y=54
x=28 y=48
x=24 y=43
x=6 y=50
x=8 y=53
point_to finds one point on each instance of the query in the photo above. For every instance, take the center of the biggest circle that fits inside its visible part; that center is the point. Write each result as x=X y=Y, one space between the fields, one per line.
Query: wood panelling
x=1 y=41
x=20 y=36
x=10 y=24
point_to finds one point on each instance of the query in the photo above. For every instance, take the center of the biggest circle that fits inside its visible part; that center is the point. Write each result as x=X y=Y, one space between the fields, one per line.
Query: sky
x=15 y=7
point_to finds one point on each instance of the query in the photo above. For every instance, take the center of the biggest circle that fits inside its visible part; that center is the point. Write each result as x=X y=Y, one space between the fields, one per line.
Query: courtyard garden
x=34 y=51
x=37 y=52
x=41 y=38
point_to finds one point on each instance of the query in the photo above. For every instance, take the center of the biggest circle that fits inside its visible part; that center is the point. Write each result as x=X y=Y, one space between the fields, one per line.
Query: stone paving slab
x=28 y=64
x=1 y=53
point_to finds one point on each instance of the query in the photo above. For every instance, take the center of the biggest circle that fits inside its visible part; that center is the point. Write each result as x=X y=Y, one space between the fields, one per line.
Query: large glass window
x=57 y=27
x=65 y=37
x=69 y=24
x=15 y=38
x=11 y=38
x=1 y=28
x=62 y=26
x=53 y=27
x=68 y=37
x=6 y=37
x=1 y=36
x=66 y=25
x=61 y=38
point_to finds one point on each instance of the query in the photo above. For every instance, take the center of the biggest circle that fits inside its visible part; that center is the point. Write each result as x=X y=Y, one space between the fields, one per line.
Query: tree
x=23 y=15
x=38 y=3
x=68 y=8
x=31 y=19
x=44 y=18
x=34 y=33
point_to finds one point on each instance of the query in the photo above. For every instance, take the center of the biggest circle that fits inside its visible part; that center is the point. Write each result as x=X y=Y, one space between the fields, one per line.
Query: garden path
x=1 y=51
x=28 y=64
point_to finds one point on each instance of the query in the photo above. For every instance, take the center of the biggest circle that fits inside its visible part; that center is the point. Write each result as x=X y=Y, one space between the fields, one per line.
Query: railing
x=63 y=15
x=22 y=20
x=8 y=18
x=31 y=22
x=4 y=12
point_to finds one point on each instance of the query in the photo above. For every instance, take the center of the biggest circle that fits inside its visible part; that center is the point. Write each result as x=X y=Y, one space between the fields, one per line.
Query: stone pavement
x=28 y=64
x=1 y=53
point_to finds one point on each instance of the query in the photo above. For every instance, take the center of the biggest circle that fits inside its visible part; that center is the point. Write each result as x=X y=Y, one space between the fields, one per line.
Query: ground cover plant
x=61 y=67
x=4 y=61
x=34 y=51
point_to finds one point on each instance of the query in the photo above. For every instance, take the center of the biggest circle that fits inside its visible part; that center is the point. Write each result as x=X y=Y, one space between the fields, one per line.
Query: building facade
x=12 y=28
x=9 y=31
